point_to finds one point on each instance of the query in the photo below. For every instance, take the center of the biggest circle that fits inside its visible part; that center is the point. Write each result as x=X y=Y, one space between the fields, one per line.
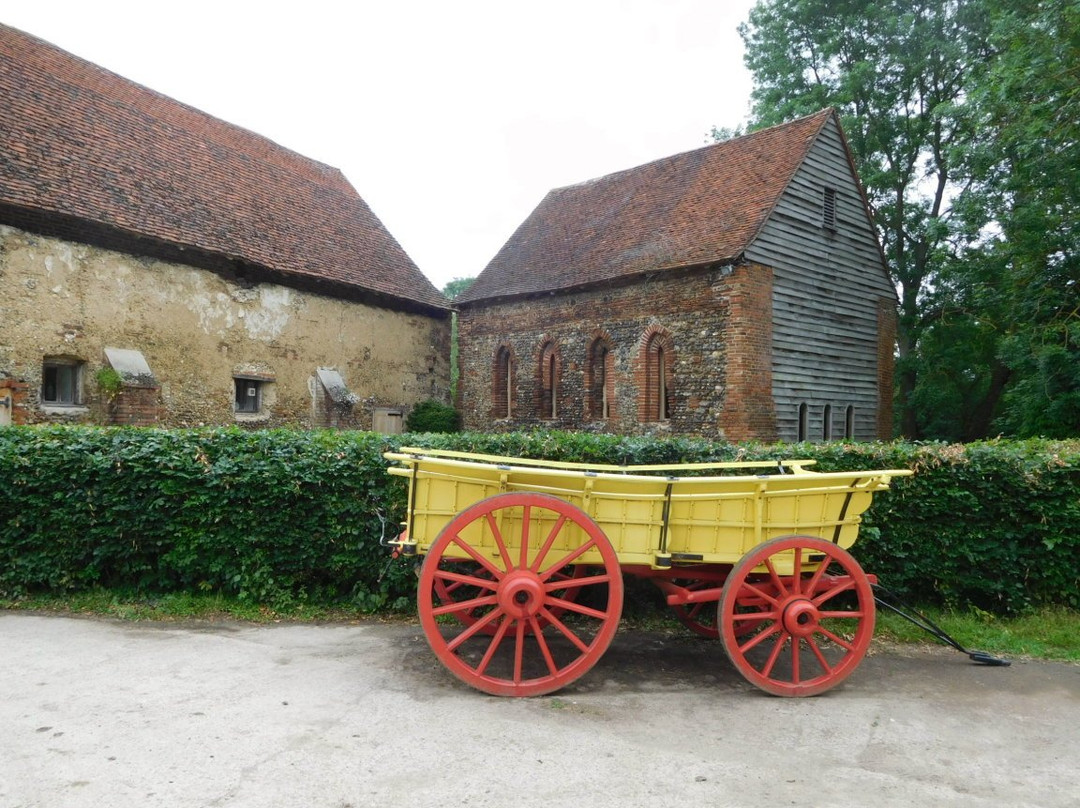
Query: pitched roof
x=700 y=207
x=80 y=143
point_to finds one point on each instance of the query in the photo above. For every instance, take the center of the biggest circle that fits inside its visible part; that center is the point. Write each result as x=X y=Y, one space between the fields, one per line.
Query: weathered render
x=160 y=266
x=735 y=291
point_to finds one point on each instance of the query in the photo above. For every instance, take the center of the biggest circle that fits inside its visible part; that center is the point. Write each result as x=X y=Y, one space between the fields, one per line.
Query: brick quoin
x=887 y=325
x=135 y=406
x=749 y=412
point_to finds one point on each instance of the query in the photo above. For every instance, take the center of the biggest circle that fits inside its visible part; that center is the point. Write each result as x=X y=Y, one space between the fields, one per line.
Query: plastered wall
x=198 y=331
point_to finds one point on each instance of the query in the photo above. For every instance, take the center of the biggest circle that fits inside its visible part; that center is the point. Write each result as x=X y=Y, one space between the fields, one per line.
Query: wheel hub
x=521 y=594
x=801 y=617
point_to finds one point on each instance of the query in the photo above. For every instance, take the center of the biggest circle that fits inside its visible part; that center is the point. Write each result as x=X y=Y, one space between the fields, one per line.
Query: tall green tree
x=1025 y=194
x=897 y=71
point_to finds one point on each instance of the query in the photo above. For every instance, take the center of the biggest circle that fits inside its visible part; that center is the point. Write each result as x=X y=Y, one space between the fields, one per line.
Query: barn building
x=161 y=266
x=737 y=291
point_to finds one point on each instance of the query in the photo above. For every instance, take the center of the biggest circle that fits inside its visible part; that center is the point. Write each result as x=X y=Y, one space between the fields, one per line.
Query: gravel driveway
x=109 y=714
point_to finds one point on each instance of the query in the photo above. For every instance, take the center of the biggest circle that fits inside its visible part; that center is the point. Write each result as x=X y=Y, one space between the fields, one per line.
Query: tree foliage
x=457 y=286
x=962 y=117
x=1026 y=185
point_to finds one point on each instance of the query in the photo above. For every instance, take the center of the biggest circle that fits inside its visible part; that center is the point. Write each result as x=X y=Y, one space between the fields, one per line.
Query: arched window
x=657 y=394
x=849 y=422
x=600 y=379
x=826 y=423
x=549 y=380
x=502 y=388
x=804 y=422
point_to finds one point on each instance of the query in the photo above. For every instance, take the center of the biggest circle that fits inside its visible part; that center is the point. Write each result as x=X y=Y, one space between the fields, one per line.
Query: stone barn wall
x=206 y=339
x=691 y=315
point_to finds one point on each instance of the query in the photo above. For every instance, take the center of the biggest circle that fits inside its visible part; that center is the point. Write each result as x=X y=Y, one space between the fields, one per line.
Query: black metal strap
x=666 y=514
x=929 y=626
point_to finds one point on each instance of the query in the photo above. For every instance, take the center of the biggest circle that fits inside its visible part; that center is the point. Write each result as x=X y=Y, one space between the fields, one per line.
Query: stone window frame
x=68 y=364
x=503 y=391
x=599 y=378
x=549 y=376
x=261 y=384
x=656 y=375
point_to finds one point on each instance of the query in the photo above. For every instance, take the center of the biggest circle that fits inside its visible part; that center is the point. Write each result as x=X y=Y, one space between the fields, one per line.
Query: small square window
x=61 y=383
x=248 y=395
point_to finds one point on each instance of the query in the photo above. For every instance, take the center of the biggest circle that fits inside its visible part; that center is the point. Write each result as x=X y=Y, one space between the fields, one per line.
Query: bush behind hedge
x=278 y=517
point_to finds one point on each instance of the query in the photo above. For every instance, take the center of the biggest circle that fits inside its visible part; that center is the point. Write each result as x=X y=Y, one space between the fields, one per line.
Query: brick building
x=161 y=266
x=736 y=291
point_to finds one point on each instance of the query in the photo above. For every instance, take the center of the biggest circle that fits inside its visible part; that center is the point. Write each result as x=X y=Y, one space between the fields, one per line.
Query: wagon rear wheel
x=526 y=627
x=811 y=609
x=699 y=617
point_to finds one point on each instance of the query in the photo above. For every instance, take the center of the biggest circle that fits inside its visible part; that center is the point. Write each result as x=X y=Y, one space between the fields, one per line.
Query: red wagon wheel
x=700 y=618
x=810 y=629
x=518 y=632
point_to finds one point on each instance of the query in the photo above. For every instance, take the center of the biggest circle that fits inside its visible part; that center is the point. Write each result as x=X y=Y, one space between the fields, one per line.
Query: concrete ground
x=101 y=713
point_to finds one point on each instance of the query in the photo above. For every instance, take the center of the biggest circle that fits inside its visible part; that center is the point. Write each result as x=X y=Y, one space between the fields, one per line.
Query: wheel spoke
x=815 y=579
x=464 y=606
x=519 y=646
x=796 y=648
x=774 y=655
x=475 y=555
x=855 y=615
x=796 y=572
x=832 y=592
x=577 y=608
x=777 y=580
x=569 y=558
x=566 y=631
x=500 y=543
x=576 y=583
x=761 y=593
x=759 y=638
x=836 y=638
x=493 y=646
x=476 y=628
x=461 y=579
x=745 y=617
x=526 y=525
x=548 y=543
x=824 y=663
x=545 y=649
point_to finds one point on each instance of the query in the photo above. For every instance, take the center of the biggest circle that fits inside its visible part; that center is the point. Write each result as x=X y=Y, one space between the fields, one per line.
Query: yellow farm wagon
x=521 y=588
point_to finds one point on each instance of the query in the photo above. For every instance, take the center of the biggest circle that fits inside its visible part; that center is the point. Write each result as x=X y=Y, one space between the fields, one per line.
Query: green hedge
x=280 y=517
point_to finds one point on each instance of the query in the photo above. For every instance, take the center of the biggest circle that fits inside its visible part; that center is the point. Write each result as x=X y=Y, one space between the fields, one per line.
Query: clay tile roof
x=79 y=141
x=700 y=207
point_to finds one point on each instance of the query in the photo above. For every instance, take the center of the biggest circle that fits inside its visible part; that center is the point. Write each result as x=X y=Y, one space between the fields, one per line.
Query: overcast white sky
x=452 y=119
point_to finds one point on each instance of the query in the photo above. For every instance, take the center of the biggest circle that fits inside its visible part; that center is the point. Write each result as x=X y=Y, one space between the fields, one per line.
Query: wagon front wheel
x=810 y=609
x=526 y=627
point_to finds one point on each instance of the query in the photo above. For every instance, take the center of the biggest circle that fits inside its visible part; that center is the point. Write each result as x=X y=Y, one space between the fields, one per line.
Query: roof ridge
x=85 y=143
x=697 y=207
x=823 y=114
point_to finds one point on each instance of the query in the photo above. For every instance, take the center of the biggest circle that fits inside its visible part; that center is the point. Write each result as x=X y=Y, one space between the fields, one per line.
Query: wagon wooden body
x=521 y=588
